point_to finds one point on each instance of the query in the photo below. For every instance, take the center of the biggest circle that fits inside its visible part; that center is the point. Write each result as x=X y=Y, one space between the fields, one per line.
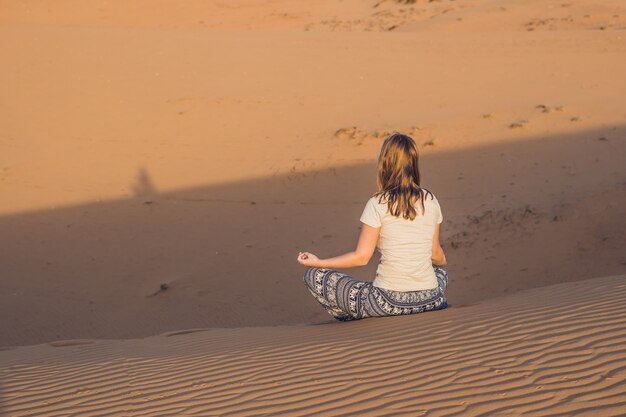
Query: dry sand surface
x=552 y=351
x=202 y=144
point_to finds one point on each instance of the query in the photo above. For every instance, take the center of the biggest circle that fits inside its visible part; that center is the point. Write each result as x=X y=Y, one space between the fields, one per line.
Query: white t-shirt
x=405 y=245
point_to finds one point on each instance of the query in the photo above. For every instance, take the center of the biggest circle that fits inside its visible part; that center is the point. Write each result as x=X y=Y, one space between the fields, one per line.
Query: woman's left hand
x=308 y=259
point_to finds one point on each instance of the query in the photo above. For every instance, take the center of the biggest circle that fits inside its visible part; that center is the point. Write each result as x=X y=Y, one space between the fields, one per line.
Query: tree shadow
x=516 y=215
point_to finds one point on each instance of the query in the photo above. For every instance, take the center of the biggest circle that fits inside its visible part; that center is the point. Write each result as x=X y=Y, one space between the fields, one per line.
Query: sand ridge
x=551 y=351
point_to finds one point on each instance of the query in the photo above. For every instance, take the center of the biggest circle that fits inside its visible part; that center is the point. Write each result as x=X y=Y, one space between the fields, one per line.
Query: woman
x=402 y=220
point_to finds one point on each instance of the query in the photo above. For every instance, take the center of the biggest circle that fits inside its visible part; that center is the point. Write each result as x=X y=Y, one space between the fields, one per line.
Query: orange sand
x=549 y=351
x=202 y=144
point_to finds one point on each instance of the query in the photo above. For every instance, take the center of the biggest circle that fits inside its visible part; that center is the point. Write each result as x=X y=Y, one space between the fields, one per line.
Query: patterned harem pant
x=346 y=298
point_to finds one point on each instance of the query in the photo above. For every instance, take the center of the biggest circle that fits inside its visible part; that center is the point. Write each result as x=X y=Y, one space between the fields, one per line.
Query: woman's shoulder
x=377 y=201
x=379 y=204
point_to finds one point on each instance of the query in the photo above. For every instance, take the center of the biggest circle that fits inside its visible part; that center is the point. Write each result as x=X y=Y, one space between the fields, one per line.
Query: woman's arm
x=358 y=257
x=438 y=257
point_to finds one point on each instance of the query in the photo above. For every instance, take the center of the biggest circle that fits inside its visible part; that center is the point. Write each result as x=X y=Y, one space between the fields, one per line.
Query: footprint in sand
x=354 y=133
x=518 y=124
x=349 y=133
x=428 y=143
x=301 y=169
x=536 y=23
x=548 y=109
x=358 y=135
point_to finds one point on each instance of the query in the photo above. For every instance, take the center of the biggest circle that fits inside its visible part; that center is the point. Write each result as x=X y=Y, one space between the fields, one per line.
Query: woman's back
x=401 y=221
x=405 y=245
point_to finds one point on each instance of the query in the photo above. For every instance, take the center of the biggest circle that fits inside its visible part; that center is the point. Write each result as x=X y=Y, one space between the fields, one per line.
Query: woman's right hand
x=307 y=259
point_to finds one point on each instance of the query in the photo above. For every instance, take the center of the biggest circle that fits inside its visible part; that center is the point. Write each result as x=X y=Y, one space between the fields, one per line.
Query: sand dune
x=92 y=266
x=140 y=156
x=551 y=351
x=162 y=163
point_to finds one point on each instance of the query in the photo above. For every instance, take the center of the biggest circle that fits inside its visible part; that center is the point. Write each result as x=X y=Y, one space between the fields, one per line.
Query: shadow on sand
x=520 y=215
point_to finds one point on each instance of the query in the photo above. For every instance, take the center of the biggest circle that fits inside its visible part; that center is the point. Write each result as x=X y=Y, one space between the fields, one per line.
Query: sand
x=552 y=351
x=202 y=144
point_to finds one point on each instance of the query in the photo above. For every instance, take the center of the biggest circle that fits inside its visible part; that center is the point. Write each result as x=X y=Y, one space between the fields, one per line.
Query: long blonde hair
x=399 y=177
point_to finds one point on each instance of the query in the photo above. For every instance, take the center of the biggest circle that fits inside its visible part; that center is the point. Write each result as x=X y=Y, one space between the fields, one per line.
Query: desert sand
x=197 y=146
x=551 y=351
